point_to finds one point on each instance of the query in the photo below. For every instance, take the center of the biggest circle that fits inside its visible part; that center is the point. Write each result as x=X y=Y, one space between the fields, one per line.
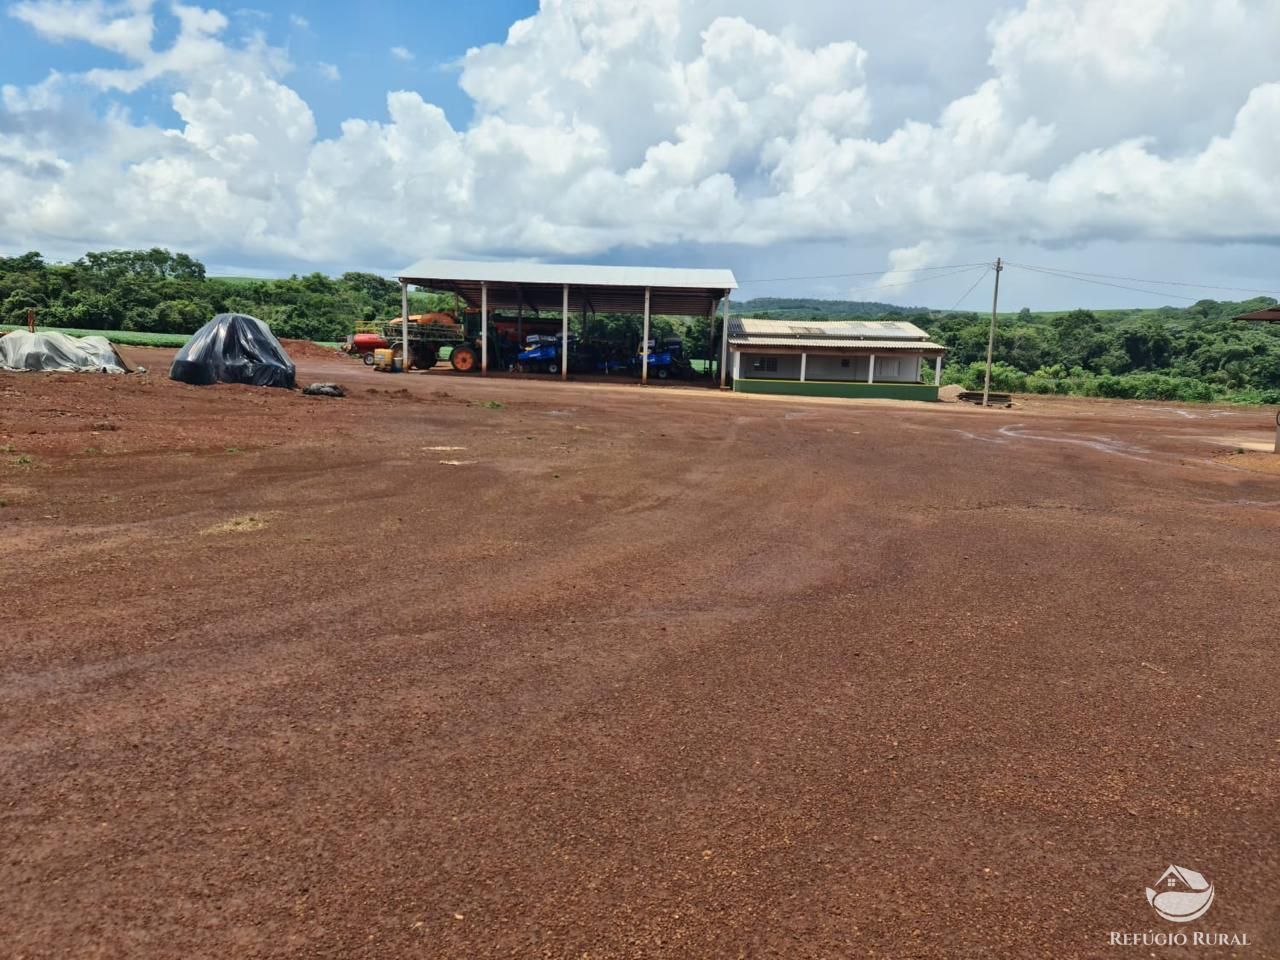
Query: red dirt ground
x=640 y=673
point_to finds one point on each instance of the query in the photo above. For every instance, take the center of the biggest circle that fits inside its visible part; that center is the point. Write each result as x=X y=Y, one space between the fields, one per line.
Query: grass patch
x=23 y=461
x=238 y=525
x=127 y=338
x=490 y=405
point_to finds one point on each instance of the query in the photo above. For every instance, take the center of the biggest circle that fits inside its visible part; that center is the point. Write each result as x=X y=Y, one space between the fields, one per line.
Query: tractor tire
x=662 y=373
x=553 y=367
x=464 y=359
x=368 y=359
x=424 y=358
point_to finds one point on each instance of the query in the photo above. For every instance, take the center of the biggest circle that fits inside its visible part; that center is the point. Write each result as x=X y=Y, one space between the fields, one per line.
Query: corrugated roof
x=831 y=343
x=826 y=329
x=539 y=287
x=585 y=275
x=1270 y=315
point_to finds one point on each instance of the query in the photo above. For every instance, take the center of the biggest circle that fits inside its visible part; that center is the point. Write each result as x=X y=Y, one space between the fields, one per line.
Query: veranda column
x=724 y=341
x=644 y=342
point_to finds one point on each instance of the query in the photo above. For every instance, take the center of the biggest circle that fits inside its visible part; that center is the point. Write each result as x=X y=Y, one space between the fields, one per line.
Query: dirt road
x=456 y=668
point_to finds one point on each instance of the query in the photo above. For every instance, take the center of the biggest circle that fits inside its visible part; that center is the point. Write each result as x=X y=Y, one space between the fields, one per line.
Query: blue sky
x=793 y=140
x=355 y=38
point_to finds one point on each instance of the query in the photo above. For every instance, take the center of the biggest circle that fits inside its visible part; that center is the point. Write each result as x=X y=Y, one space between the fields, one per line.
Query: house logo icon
x=1181 y=895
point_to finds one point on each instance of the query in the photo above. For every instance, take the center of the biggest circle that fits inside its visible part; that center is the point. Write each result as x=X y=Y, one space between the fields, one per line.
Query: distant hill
x=785 y=308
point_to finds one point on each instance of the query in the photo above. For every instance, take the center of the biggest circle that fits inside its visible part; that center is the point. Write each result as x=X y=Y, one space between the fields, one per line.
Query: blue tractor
x=666 y=360
x=542 y=354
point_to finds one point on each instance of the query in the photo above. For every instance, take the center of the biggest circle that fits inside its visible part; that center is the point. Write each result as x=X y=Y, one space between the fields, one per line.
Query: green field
x=129 y=338
x=132 y=338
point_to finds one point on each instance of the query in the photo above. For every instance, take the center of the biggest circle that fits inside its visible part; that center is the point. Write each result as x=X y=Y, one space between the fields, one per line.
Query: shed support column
x=564 y=336
x=644 y=342
x=804 y=365
x=484 y=328
x=737 y=363
x=937 y=371
x=404 y=325
x=724 y=342
x=871 y=370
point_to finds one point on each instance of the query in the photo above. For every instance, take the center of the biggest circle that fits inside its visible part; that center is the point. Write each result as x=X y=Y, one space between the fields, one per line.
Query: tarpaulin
x=233 y=348
x=53 y=351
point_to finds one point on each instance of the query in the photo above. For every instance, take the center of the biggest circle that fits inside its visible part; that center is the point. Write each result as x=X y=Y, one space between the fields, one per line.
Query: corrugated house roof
x=831 y=334
x=915 y=346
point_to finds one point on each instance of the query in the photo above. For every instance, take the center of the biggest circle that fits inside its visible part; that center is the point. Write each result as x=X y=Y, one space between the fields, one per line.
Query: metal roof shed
x=544 y=287
x=1269 y=315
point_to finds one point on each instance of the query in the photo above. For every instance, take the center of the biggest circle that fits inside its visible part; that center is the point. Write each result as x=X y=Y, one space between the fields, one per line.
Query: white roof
x=587 y=275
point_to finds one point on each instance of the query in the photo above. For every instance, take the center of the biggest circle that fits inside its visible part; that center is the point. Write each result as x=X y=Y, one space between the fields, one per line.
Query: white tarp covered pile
x=52 y=351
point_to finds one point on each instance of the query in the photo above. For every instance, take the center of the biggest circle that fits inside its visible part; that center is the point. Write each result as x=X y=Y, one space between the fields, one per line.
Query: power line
x=937 y=276
x=869 y=273
x=982 y=276
x=1101 y=283
x=1163 y=283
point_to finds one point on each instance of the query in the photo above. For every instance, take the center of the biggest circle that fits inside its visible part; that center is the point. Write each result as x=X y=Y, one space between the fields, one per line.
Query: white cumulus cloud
x=601 y=124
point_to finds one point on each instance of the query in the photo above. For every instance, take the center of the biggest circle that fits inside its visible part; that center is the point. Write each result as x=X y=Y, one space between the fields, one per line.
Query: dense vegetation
x=786 y=308
x=1195 y=353
x=1198 y=353
x=156 y=291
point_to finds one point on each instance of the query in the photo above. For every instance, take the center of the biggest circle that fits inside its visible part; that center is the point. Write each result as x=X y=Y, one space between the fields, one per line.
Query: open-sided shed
x=544 y=288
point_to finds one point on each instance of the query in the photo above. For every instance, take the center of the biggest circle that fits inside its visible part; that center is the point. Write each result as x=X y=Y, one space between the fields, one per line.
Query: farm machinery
x=429 y=333
x=382 y=345
x=666 y=359
x=542 y=355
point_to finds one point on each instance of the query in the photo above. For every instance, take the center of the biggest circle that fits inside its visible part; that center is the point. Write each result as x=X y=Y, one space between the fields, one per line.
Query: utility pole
x=991 y=337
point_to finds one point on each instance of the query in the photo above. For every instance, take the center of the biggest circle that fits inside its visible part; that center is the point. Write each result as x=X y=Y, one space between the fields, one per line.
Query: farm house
x=846 y=358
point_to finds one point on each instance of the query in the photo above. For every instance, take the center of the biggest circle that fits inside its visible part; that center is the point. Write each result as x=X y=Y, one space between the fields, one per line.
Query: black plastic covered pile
x=233 y=348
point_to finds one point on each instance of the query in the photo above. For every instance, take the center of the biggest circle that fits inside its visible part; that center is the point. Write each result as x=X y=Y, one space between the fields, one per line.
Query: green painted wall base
x=837 y=388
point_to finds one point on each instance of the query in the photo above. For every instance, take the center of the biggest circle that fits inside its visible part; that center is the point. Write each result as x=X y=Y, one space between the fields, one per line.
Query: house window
x=765 y=364
x=844 y=362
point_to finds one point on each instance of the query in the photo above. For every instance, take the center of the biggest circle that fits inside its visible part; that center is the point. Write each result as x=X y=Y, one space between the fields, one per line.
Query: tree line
x=1199 y=352
x=155 y=291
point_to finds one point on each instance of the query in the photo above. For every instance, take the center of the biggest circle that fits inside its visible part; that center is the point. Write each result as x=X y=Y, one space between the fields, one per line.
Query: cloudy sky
x=830 y=140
